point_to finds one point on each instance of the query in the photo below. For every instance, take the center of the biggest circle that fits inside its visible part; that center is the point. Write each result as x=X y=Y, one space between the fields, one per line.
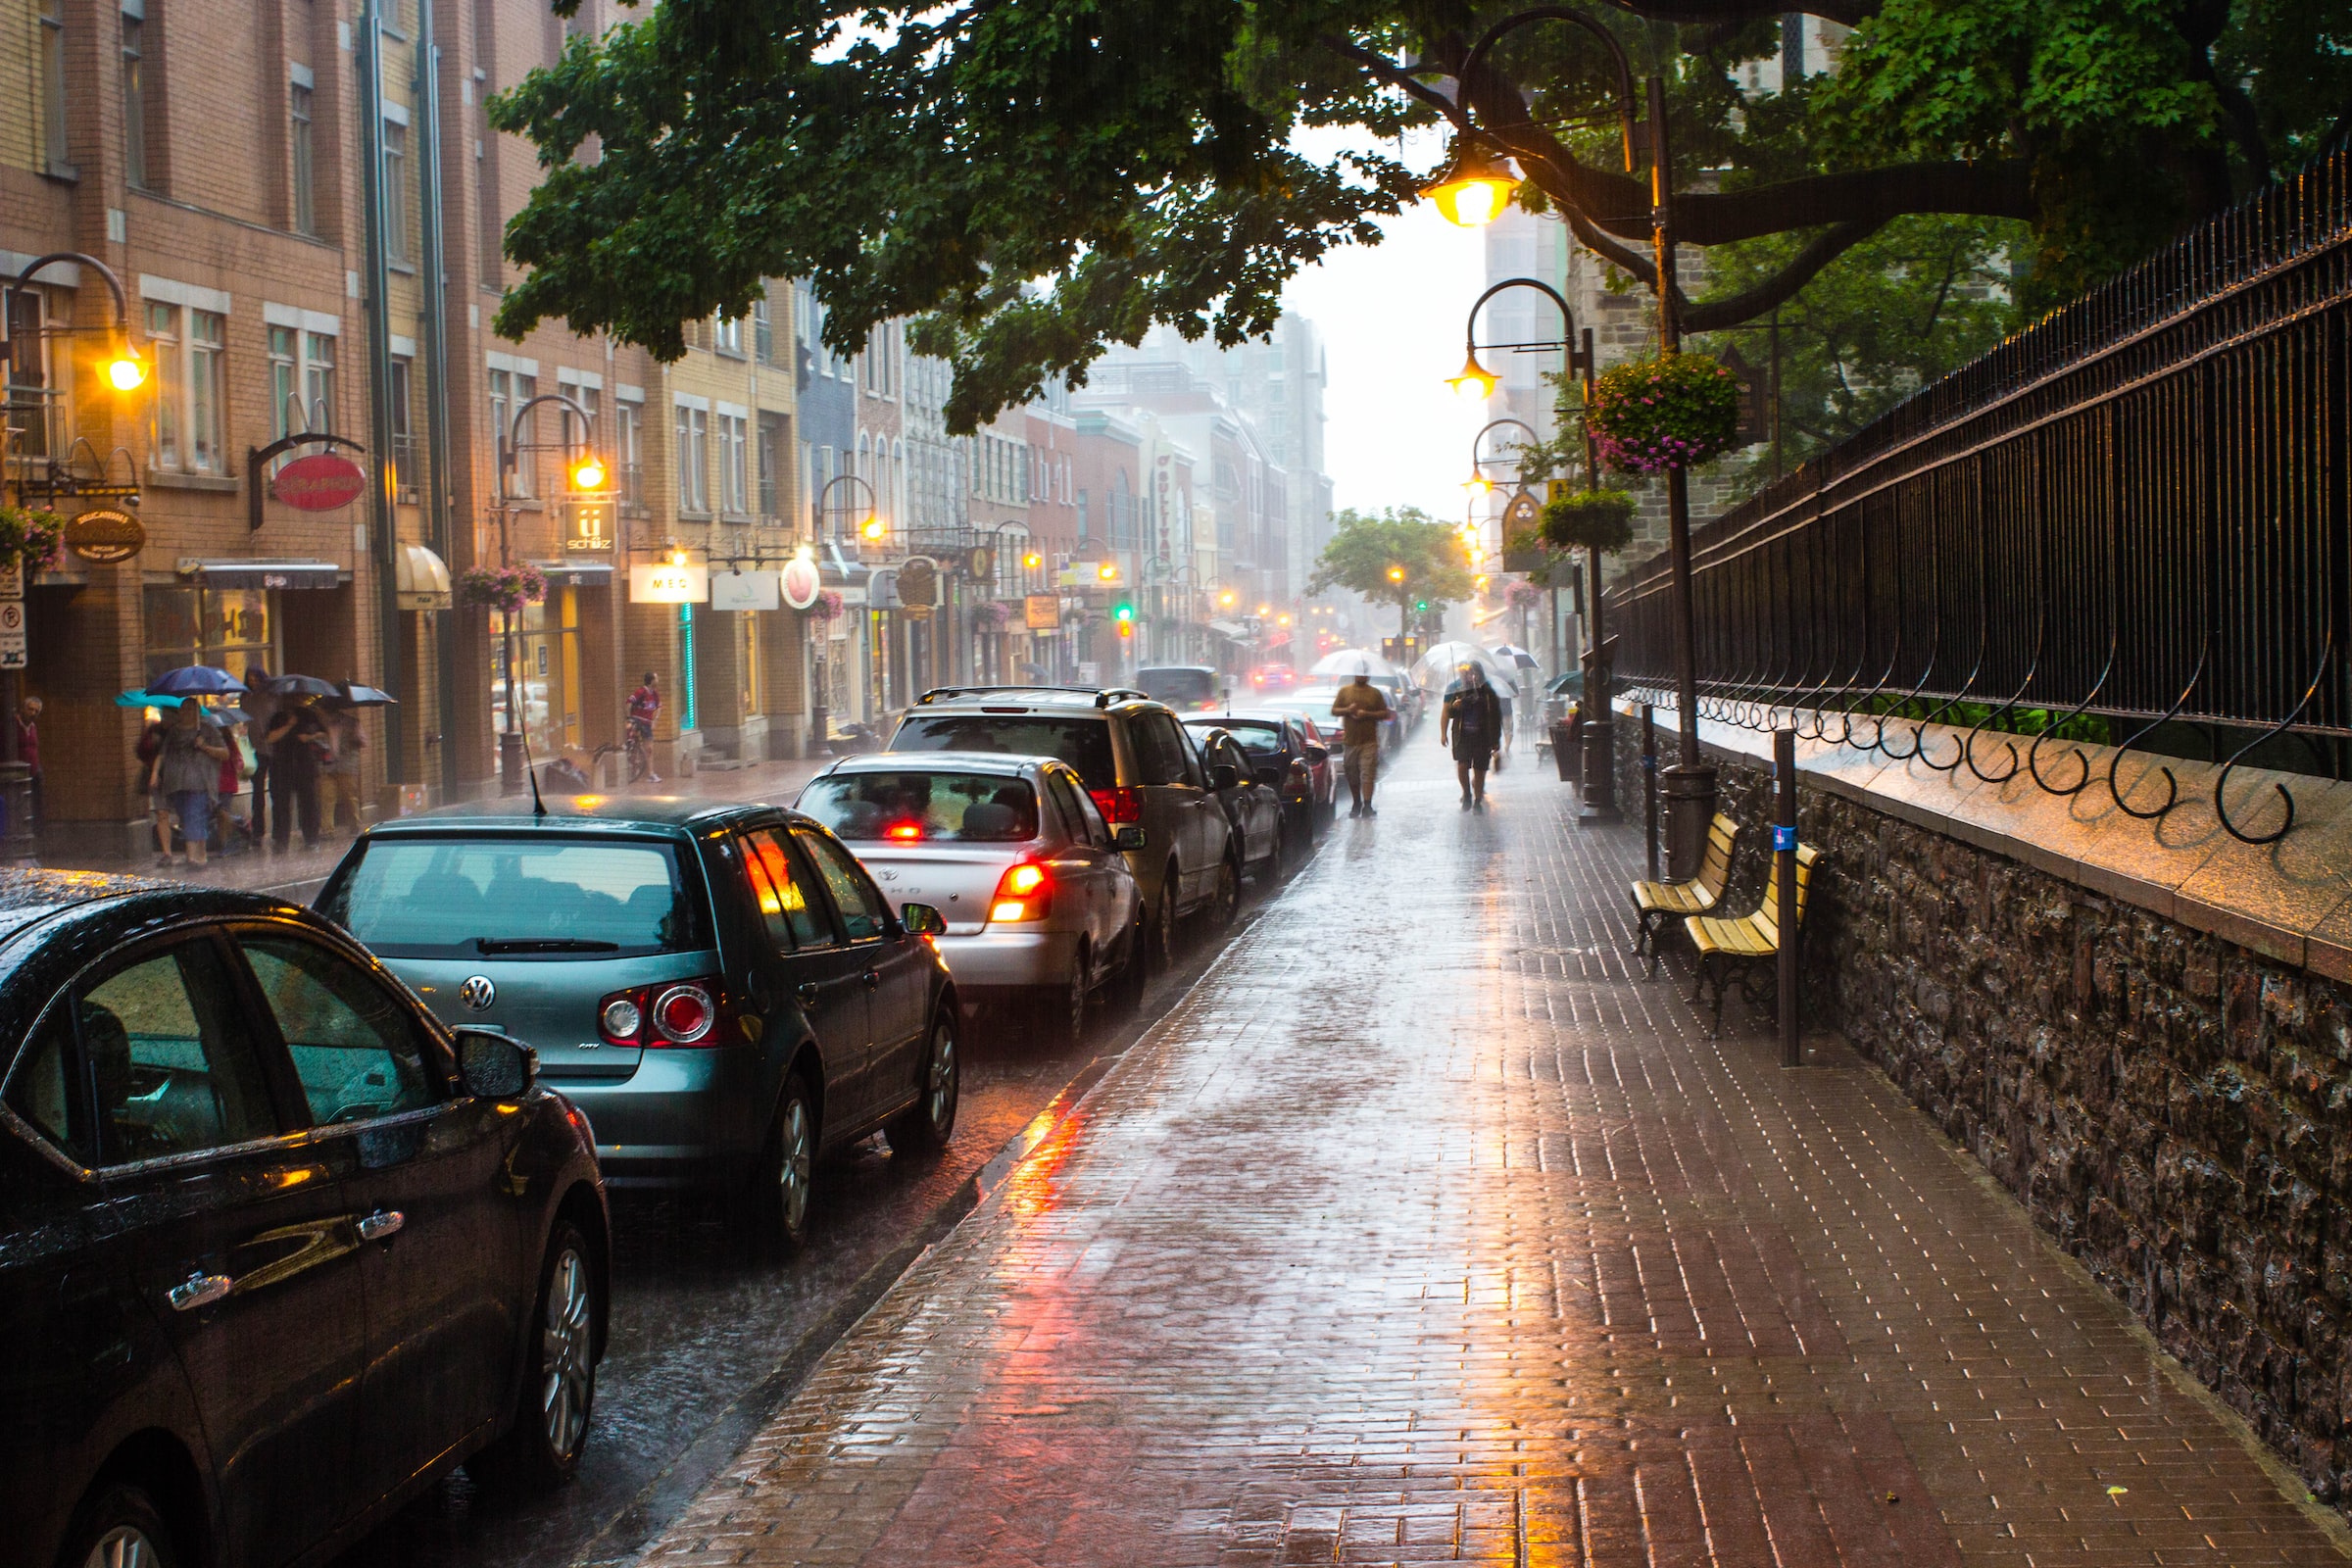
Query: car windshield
x=1258 y=737
x=1083 y=742
x=540 y=896
x=922 y=806
x=1178 y=687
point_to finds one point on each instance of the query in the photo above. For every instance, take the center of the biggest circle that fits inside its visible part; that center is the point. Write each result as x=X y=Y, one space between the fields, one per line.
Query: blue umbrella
x=195 y=680
x=139 y=698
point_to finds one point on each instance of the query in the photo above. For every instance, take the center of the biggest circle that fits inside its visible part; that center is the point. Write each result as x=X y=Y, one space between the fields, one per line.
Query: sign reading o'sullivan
x=320 y=482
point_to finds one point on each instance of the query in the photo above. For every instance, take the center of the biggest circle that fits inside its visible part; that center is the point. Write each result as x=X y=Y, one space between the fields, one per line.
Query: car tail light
x=1119 y=806
x=1025 y=892
x=684 y=1012
x=904 y=832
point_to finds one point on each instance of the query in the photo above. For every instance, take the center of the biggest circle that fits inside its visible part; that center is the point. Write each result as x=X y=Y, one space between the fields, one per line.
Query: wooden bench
x=1743 y=947
x=1657 y=902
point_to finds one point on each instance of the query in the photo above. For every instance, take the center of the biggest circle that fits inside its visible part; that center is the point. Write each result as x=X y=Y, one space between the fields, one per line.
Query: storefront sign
x=665 y=584
x=745 y=590
x=916 y=612
x=802 y=583
x=980 y=563
x=1042 y=612
x=1524 y=512
x=320 y=482
x=918 y=581
x=588 y=526
x=105 y=535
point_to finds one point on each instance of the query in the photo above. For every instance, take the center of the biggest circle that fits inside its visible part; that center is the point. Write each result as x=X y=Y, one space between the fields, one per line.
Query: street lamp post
x=124 y=372
x=587 y=474
x=820 y=721
x=1689 y=787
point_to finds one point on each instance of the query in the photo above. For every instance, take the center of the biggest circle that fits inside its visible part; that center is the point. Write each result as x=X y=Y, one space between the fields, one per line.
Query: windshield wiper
x=489 y=944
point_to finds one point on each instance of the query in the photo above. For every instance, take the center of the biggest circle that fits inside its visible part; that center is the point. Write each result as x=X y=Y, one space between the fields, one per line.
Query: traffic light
x=1421 y=607
x=1124 y=615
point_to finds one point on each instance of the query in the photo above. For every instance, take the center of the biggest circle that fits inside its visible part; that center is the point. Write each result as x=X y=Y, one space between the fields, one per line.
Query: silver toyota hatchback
x=1040 y=907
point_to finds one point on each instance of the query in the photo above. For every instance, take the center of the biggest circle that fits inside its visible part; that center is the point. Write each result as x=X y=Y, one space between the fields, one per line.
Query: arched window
x=898 y=515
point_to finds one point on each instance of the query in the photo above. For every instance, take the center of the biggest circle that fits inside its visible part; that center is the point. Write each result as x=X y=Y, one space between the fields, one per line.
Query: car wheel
x=1134 y=978
x=542 y=1448
x=1269 y=870
x=120 y=1528
x=787 y=1172
x=1163 y=926
x=924 y=1127
x=1226 y=902
x=1064 y=1005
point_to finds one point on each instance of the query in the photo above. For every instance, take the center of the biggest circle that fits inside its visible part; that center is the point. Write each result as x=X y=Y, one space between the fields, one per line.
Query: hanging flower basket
x=1523 y=596
x=827 y=605
x=30 y=538
x=993 y=614
x=1590 y=519
x=1673 y=411
x=505 y=588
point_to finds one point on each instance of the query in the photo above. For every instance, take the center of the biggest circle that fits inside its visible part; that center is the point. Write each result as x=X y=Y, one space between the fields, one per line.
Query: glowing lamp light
x=1474 y=189
x=1475 y=385
x=1032 y=560
x=873 y=528
x=904 y=832
x=1226 y=599
x=1396 y=575
x=1108 y=571
x=1478 y=485
x=677 y=555
x=125 y=371
x=588 y=473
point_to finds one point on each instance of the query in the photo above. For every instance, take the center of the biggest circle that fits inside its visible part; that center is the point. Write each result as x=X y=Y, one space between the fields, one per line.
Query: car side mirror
x=1130 y=836
x=494 y=1066
x=922 y=920
x=1223 y=776
x=1319 y=754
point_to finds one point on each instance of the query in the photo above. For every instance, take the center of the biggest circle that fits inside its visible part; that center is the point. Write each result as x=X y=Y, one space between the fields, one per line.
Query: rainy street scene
x=1039 y=784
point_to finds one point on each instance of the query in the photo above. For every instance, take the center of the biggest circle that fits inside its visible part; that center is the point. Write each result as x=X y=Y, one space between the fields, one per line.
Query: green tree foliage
x=1364 y=549
x=1037 y=181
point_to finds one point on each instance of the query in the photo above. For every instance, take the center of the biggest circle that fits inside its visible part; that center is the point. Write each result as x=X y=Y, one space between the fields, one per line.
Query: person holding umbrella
x=1361 y=707
x=261 y=707
x=298 y=746
x=1472 y=713
x=186 y=776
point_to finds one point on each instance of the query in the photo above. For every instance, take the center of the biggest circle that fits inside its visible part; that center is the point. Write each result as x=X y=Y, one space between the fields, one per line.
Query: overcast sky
x=1391 y=317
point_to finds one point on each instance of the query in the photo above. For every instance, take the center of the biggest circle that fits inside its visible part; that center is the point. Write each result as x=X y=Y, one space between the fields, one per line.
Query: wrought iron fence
x=2131 y=516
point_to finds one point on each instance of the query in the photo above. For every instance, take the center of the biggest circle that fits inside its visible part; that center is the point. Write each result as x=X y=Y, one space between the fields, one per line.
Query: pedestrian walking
x=28 y=752
x=261 y=703
x=150 y=747
x=234 y=811
x=298 y=745
x=186 y=773
x=339 y=773
x=1502 y=729
x=645 y=706
x=1361 y=707
x=1471 y=721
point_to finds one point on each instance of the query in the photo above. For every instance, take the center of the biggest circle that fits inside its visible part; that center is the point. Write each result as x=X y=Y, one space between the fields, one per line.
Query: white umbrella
x=1517 y=657
x=1351 y=661
x=1442 y=659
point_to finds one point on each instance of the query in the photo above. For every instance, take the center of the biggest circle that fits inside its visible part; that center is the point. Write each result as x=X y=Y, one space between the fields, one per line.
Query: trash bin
x=1565 y=753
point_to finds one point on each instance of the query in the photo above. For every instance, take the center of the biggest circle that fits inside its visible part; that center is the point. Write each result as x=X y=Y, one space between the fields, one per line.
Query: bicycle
x=632 y=746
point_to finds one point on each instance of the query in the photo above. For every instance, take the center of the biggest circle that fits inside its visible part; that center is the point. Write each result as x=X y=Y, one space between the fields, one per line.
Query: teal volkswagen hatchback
x=722 y=990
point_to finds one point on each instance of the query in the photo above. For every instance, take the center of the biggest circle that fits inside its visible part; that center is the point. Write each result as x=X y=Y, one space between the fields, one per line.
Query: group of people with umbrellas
x=1475 y=719
x=287 y=753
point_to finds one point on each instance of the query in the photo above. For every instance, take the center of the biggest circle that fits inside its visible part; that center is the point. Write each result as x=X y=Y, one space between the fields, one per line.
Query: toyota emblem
x=477 y=992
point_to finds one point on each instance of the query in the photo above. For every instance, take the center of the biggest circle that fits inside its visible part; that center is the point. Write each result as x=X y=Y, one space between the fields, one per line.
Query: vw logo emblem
x=477 y=992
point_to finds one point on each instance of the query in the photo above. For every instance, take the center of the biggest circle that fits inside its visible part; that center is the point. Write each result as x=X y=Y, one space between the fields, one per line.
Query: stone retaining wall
x=2168 y=1104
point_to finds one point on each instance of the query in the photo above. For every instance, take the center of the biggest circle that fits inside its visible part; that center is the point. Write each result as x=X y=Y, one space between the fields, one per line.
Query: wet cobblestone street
x=1425 y=1229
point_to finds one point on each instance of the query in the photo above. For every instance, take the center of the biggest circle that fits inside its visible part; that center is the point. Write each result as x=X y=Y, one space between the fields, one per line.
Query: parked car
x=278 y=1248
x=1186 y=687
x=1251 y=803
x=1281 y=755
x=1138 y=764
x=1034 y=884
x=1317 y=730
x=722 y=988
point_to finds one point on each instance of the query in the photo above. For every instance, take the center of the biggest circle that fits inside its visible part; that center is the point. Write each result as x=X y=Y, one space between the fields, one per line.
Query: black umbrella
x=358 y=696
x=195 y=680
x=301 y=686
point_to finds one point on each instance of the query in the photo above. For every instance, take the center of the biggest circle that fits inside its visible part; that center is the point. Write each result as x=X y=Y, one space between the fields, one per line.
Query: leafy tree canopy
x=1366 y=549
x=1034 y=182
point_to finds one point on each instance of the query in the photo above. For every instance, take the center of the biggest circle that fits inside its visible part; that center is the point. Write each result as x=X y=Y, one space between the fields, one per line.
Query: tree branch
x=1395 y=76
x=1703 y=12
x=1715 y=315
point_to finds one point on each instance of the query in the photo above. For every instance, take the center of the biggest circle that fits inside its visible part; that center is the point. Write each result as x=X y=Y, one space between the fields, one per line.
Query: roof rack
x=939 y=691
x=1121 y=694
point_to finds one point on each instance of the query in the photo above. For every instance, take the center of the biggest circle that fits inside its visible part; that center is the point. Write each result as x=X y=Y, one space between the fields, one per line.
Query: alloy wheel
x=1163 y=934
x=795 y=1162
x=945 y=1082
x=567 y=1356
x=1228 y=898
x=1073 y=1004
x=123 y=1547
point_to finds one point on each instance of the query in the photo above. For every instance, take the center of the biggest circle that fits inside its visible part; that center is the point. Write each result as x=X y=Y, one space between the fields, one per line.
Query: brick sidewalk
x=1498 y=1260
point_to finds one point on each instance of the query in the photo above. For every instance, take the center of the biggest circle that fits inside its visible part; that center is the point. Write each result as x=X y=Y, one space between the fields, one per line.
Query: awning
x=267 y=574
x=421 y=578
x=1230 y=628
x=577 y=574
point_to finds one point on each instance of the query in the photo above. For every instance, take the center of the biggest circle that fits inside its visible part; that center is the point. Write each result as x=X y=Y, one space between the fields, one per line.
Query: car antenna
x=538 y=806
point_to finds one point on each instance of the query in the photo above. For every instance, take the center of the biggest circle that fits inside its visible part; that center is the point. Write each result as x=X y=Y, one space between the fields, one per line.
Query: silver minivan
x=1039 y=905
x=1139 y=766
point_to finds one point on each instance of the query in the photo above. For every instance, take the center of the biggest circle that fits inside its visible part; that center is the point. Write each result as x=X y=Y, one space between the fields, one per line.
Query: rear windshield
x=1178 y=688
x=545 y=896
x=1082 y=742
x=924 y=808
x=1259 y=739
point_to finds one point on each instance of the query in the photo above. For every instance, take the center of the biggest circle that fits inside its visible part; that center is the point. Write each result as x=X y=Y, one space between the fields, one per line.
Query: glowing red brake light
x=904 y=832
x=1120 y=805
x=1025 y=892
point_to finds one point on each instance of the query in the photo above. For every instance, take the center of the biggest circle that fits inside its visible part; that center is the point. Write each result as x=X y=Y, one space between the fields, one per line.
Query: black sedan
x=1252 y=806
x=277 y=1249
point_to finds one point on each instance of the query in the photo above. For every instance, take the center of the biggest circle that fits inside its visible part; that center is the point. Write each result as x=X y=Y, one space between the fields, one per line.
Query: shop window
x=230 y=628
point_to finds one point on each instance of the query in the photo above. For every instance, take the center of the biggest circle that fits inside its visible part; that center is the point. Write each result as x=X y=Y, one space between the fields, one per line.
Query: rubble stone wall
x=2173 y=1107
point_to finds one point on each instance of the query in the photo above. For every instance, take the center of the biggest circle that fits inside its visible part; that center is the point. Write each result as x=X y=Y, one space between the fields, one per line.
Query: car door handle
x=807 y=991
x=383 y=1223
x=872 y=979
x=197 y=1290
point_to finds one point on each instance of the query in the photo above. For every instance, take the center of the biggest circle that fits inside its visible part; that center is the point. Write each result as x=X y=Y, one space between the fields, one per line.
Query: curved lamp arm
x=1617 y=57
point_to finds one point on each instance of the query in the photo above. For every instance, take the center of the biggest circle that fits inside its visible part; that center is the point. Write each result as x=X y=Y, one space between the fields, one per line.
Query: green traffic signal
x=1421 y=606
x=1124 y=612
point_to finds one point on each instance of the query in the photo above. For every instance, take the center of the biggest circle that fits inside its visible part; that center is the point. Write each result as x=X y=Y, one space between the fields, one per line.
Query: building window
x=747 y=662
x=228 y=629
x=134 y=97
x=52 y=44
x=306 y=200
x=694 y=458
x=406 y=462
x=628 y=449
x=302 y=381
x=734 y=490
x=318 y=378
x=763 y=332
x=396 y=193
x=192 y=388
x=726 y=334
